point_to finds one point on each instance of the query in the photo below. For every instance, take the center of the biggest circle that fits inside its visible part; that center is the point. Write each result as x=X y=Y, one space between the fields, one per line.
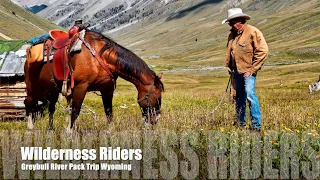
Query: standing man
x=246 y=53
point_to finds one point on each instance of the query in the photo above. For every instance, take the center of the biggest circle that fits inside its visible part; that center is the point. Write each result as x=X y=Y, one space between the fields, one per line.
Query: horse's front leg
x=107 y=97
x=78 y=95
x=52 y=107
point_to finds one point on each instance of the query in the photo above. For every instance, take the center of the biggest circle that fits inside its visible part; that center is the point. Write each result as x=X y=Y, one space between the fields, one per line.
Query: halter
x=147 y=96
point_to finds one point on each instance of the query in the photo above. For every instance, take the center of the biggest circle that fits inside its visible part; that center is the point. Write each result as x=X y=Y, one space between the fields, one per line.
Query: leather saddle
x=61 y=43
x=61 y=38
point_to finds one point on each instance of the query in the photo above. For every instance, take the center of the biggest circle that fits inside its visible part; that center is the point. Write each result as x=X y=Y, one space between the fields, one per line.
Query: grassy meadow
x=287 y=110
x=190 y=94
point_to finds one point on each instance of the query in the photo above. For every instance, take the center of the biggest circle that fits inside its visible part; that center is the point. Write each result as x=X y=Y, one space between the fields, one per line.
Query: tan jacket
x=248 y=51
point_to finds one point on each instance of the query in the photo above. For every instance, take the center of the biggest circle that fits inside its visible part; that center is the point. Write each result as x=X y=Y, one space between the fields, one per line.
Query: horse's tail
x=26 y=73
x=29 y=52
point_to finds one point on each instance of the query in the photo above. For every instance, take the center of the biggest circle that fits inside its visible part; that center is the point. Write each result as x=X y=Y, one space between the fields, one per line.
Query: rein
x=101 y=62
x=97 y=56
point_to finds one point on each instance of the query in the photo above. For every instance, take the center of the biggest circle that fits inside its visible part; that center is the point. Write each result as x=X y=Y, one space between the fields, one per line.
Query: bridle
x=147 y=96
x=149 y=106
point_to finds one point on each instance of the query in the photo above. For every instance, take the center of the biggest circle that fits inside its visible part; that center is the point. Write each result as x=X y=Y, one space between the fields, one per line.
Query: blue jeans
x=245 y=87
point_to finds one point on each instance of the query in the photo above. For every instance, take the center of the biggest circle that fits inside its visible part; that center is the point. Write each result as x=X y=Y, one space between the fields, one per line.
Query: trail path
x=5 y=37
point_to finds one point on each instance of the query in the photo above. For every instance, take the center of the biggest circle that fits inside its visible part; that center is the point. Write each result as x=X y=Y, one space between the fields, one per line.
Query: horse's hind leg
x=28 y=108
x=52 y=108
x=77 y=98
x=107 y=103
x=30 y=123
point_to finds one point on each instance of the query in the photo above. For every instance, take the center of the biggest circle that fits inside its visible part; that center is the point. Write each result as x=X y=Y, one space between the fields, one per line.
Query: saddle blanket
x=39 y=39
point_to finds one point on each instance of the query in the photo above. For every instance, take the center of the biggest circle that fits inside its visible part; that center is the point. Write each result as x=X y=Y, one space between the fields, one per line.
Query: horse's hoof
x=30 y=126
x=51 y=130
x=67 y=119
x=108 y=133
x=152 y=132
x=69 y=131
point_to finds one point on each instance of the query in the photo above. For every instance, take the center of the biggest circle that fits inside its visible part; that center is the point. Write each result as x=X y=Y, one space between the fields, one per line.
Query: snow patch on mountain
x=30 y=3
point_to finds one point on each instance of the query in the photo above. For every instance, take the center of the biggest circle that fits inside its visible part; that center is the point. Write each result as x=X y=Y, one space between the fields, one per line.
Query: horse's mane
x=127 y=61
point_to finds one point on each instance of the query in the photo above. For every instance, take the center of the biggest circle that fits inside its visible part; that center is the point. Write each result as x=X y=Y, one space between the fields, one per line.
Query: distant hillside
x=190 y=33
x=102 y=14
x=17 y=23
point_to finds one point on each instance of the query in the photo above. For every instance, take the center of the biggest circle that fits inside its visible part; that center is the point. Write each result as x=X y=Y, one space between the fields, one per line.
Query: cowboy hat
x=235 y=13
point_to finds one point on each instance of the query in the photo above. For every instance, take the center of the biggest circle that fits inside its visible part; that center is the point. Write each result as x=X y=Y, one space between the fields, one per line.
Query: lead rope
x=219 y=104
x=83 y=111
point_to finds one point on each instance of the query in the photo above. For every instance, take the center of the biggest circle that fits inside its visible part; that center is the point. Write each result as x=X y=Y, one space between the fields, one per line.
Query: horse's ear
x=158 y=82
x=160 y=75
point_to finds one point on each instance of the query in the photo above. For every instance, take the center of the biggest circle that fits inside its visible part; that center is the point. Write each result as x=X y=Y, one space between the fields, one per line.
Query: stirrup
x=64 y=88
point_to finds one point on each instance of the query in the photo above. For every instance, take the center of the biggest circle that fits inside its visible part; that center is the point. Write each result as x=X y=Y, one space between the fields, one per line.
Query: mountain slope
x=190 y=33
x=194 y=36
x=101 y=14
x=17 y=23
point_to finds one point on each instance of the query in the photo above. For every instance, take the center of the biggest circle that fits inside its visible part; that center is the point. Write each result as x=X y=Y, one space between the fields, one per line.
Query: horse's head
x=149 y=99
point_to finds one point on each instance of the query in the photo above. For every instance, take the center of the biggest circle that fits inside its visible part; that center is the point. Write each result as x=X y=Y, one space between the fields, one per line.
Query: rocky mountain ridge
x=101 y=14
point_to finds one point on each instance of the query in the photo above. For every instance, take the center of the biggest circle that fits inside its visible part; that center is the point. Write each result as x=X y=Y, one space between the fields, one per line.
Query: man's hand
x=229 y=70
x=247 y=74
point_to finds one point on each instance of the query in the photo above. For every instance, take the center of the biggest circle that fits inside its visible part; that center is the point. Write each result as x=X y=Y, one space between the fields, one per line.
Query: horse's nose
x=152 y=120
x=158 y=117
x=145 y=119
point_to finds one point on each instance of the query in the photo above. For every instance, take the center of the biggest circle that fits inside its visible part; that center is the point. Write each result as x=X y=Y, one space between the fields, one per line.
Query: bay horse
x=95 y=68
